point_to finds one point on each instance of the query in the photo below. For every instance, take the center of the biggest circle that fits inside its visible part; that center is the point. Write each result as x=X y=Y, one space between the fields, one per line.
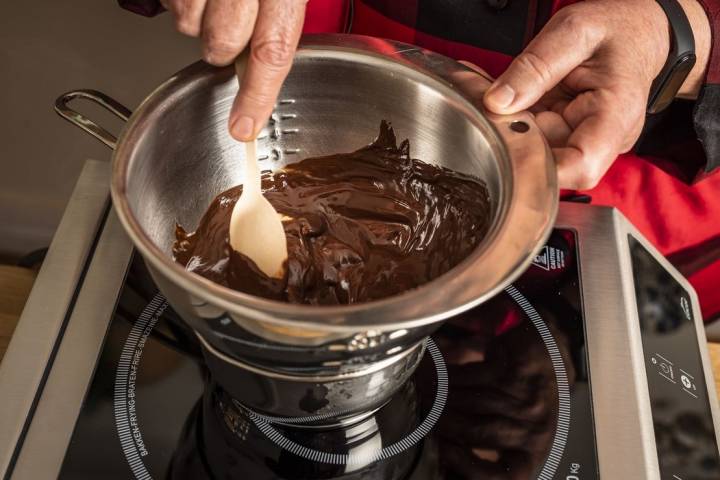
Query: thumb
x=564 y=43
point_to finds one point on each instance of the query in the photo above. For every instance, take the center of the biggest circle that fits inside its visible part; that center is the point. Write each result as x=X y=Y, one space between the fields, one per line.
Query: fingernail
x=501 y=96
x=210 y=57
x=243 y=129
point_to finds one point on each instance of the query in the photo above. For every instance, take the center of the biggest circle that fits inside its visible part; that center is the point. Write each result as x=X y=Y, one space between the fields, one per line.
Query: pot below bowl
x=175 y=155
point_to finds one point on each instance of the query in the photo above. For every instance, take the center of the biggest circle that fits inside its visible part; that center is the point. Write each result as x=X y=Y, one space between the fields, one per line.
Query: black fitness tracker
x=681 y=58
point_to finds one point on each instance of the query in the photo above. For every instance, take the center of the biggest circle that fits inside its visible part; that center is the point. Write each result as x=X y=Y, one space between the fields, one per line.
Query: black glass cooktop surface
x=501 y=393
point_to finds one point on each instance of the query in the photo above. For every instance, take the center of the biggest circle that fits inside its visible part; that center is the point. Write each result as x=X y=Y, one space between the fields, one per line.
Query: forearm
x=703 y=42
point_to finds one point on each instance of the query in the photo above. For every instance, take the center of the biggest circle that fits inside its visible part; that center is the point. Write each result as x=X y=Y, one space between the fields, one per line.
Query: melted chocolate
x=361 y=226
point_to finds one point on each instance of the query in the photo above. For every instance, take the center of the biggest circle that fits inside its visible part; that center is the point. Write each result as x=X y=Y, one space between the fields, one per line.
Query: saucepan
x=174 y=155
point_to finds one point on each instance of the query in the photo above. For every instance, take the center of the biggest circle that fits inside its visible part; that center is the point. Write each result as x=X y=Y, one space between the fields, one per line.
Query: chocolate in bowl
x=175 y=155
x=360 y=226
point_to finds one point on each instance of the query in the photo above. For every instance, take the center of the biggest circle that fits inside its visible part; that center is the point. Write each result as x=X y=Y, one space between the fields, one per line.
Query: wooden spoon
x=256 y=229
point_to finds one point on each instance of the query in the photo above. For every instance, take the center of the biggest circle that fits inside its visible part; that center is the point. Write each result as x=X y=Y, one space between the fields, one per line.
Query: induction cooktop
x=507 y=397
x=591 y=365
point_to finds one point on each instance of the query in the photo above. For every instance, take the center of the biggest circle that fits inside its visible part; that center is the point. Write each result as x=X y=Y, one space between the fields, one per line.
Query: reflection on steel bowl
x=175 y=155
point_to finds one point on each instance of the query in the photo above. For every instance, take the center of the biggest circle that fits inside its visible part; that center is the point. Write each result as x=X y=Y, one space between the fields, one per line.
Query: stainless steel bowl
x=175 y=155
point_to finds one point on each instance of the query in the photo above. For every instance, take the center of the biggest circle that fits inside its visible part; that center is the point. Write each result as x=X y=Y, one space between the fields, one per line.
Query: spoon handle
x=252 y=169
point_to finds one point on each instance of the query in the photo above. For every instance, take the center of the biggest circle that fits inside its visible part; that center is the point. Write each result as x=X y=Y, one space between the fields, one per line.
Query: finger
x=466 y=354
x=489 y=432
x=487 y=401
x=554 y=127
x=624 y=110
x=226 y=29
x=552 y=98
x=564 y=43
x=474 y=67
x=559 y=106
x=604 y=126
x=590 y=150
x=188 y=16
x=277 y=32
x=499 y=433
x=462 y=461
x=471 y=84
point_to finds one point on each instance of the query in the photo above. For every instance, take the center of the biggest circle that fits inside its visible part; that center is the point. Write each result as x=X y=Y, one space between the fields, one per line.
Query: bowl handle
x=79 y=120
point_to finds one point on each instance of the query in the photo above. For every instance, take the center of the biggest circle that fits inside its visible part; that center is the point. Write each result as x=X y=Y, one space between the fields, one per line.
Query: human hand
x=587 y=76
x=271 y=28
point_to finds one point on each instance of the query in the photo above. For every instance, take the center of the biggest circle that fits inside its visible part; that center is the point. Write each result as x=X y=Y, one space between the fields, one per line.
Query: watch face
x=671 y=83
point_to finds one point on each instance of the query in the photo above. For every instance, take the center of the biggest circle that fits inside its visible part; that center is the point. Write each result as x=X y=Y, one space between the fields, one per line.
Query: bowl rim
x=527 y=207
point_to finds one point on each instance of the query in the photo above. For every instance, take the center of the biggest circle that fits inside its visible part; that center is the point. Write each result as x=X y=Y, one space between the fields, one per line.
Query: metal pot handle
x=80 y=120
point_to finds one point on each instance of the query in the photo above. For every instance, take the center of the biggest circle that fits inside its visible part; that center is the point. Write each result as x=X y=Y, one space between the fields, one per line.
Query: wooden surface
x=714 y=349
x=15 y=286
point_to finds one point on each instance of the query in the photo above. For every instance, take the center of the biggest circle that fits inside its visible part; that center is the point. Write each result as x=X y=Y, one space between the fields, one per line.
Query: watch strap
x=681 y=57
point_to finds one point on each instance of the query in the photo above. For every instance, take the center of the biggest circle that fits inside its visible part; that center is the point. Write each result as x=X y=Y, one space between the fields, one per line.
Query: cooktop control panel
x=685 y=437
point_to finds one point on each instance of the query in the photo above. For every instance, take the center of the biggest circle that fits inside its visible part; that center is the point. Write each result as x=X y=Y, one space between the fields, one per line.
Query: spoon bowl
x=256 y=229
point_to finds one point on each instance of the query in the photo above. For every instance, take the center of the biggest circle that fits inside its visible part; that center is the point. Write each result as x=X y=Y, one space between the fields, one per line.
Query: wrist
x=700 y=25
x=659 y=39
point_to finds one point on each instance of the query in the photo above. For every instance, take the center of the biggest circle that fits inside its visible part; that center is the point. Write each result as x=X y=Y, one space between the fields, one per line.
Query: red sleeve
x=327 y=16
x=323 y=16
